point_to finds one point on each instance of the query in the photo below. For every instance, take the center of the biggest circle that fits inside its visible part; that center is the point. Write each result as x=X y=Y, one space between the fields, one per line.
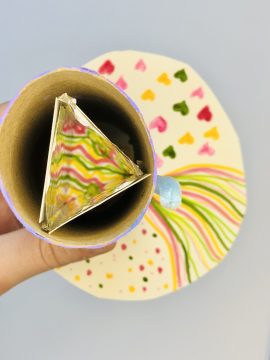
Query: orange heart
x=186 y=139
x=148 y=95
x=212 y=133
x=164 y=79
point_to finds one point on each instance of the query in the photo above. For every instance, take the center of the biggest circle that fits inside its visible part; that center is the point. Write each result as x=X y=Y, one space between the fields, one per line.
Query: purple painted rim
x=139 y=218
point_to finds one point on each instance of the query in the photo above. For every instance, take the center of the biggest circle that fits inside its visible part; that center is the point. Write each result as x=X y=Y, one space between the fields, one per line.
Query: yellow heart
x=212 y=133
x=186 y=139
x=148 y=95
x=109 y=275
x=164 y=79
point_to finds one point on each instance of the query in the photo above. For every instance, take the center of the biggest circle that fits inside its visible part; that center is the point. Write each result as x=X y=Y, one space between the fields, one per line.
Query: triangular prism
x=84 y=167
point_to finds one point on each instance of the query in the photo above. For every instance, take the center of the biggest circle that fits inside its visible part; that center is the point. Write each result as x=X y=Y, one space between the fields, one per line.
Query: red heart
x=205 y=114
x=106 y=68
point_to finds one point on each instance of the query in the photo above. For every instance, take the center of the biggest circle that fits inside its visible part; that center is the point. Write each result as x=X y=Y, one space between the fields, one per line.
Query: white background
x=225 y=315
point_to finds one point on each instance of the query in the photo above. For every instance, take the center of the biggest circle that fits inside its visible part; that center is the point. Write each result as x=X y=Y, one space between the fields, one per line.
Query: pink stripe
x=69 y=170
x=182 y=212
x=215 y=206
x=211 y=171
x=87 y=155
x=174 y=244
x=240 y=191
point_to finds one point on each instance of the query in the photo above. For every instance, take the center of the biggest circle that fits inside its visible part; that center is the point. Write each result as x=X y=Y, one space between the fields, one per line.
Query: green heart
x=169 y=151
x=181 y=75
x=181 y=107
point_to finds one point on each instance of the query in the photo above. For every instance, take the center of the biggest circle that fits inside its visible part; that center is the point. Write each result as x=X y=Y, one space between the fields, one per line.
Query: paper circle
x=195 y=143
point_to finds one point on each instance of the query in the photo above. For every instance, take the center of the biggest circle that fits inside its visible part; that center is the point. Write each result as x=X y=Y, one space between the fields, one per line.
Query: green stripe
x=70 y=178
x=77 y=158
x=181 y=219
x=189 y=204
x=213 y=192
x=218 y=222
x=187 y=266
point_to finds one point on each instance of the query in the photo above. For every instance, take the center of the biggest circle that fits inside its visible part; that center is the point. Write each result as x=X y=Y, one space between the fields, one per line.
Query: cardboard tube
x=25 y=136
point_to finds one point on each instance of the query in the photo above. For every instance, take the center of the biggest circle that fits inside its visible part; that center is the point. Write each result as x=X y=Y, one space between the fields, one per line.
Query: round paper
x=195 y=143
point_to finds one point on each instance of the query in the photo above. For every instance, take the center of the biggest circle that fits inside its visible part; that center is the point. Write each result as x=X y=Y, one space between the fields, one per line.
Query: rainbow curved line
x=206 y=224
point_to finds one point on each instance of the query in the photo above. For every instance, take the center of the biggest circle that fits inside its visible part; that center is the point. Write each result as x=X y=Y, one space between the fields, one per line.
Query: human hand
x=22 y=255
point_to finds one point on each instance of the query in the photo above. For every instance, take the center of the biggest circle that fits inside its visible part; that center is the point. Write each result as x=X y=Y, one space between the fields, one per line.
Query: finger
x=22 y=256
x=8 y=221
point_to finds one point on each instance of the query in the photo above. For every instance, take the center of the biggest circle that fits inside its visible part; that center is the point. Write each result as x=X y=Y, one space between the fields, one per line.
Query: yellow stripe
x=197 y=243
x=87 y=173
x=218 y=182
x=207 y=228
x=89 y=148
x=212 y=166
x=219 y=201
x=170 y=250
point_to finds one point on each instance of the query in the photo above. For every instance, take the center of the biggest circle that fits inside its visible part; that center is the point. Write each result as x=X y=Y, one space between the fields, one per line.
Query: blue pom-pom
x=169 y=191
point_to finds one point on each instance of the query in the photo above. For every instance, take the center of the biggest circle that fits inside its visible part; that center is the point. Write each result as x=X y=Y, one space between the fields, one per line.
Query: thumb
x=23 y=256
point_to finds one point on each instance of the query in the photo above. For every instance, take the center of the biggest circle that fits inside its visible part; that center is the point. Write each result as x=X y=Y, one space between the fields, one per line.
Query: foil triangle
x=84 y=168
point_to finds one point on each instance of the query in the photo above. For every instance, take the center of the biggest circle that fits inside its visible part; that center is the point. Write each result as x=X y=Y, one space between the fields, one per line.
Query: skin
x=22 y=255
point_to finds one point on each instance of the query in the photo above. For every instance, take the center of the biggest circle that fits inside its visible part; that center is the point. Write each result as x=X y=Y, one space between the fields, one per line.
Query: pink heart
x=198 y=92
x=121 y=83
x=141 y=66
x=159 y=123
x=206 y=150
x=159 y=161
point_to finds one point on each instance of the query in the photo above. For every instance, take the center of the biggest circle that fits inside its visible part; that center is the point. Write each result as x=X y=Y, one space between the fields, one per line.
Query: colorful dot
x=141 y=267
x=87 y=260
x=89 y=272
x=100 y=286
x=109 y=275
x=130 y=269
x=130 y=257
x=159 y=269
x=144 y=231
x=77 y=278
x=131 y=289
x=165 y=286
x=145 y=279
x=157 y=250
x=150 y=262
x=123 y=246
x=134 y=242
x=144 y=288
x=154 y=235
